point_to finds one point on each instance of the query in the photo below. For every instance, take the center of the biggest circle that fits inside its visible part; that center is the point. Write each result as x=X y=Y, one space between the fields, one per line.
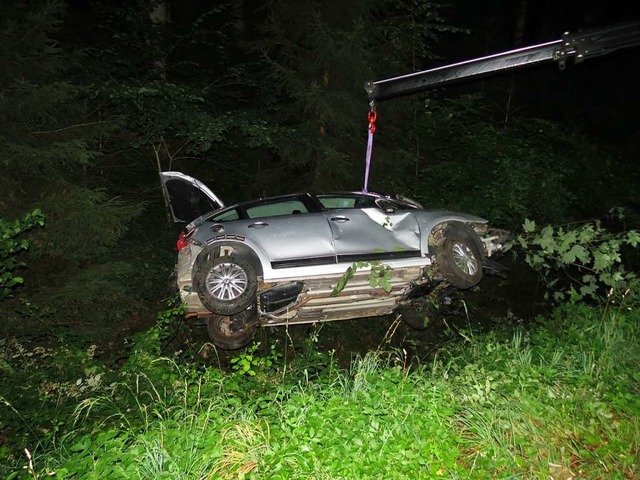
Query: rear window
x=187 y=201
x=274 y=209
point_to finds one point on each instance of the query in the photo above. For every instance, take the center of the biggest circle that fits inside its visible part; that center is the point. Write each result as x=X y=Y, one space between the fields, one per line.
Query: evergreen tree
x=314 y=60
x=49 y=141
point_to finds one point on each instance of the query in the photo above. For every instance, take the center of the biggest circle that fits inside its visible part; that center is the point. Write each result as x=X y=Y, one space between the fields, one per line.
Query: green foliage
x=22 y=44
x=40 y=385
x=314 y=59
x=11 y=246
x=379 y=276
x=579 y=261
x=473 y=163
x=162 y=112
x=250 y=362
x=86 y=224
x=149 y=344
x=559 y=394
x=99 y=295
x=50 y=151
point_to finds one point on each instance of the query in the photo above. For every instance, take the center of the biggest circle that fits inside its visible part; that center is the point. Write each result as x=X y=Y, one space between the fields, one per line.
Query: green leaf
x=576 y=252
x=529 y=226
x=633 y=238
x=81 y=444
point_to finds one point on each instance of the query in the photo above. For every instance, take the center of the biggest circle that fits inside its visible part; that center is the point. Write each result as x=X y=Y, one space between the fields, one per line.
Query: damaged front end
x=494 y=240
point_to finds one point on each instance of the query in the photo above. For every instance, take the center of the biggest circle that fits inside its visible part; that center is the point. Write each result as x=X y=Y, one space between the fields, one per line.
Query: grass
x=557 y=398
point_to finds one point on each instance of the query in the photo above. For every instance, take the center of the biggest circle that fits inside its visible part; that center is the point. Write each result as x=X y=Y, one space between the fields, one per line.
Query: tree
x=48 y=137
x=314 y=59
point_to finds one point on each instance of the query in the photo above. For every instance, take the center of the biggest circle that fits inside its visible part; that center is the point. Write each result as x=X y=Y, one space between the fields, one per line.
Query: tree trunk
x=160 y=15
x=517 y=41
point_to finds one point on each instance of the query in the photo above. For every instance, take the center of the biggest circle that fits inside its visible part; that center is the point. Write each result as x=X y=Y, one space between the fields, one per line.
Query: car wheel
x=459 y=256
x=226 y=285
x=231 y=332
x=419 y=314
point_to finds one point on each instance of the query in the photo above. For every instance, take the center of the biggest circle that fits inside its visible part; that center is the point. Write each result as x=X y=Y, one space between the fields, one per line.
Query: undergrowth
x=557 y=398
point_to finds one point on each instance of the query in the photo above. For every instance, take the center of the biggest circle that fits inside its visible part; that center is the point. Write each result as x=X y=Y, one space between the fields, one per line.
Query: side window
x=274 y=209
x=226 y=216
x=346 y=201
x=337 y=202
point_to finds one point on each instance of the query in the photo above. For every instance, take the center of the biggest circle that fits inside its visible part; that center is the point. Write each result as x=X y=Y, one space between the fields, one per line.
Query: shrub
x=10 y=247
x=581 y=261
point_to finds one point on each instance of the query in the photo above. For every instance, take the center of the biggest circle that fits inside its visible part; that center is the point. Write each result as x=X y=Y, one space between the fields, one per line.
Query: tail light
x=183 y=240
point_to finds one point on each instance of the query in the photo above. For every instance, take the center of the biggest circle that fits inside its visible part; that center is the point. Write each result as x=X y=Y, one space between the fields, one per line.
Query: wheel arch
x=219 y=249
x=452 y=227
x=460 y=268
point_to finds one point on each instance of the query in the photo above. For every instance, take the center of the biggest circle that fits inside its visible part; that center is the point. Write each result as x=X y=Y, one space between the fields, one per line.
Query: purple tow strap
x=368 y=161
x=372 y=129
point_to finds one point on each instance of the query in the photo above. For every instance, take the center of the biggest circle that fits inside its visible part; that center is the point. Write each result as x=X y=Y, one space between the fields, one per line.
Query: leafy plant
x=11 y=246
x=250 y=363
x=51 y=153
x=154 y=340
x=579 y=261
x=379 y=276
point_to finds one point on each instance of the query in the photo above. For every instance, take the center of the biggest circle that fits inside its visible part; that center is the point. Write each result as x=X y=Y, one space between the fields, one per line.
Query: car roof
x=310 y=194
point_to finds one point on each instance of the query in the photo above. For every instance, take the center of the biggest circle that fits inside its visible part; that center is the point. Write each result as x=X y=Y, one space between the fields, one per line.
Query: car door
x=289 y=231
x=187 y=197
x=363 y=231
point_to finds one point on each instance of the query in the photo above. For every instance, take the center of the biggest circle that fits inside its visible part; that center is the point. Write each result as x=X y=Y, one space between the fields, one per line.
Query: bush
x=10 y=247
x=578 y=262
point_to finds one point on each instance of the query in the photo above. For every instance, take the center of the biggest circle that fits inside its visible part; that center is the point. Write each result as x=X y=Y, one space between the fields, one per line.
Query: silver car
x=292 y=259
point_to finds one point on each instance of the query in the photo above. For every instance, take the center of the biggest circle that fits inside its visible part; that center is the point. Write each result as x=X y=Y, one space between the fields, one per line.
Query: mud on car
x=278 y=261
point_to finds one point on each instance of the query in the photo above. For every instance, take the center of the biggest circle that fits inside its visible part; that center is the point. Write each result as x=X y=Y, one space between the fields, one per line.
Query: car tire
x=231 y=332
x=226 y=285
x=419 y=314
x=459 y=256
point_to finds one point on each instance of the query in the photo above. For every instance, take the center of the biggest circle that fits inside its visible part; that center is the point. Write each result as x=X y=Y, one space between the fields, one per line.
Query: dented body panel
x=365 y=232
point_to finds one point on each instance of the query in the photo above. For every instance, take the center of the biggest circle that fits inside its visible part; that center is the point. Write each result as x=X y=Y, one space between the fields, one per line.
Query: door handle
x=259 y=225
x=340 y=219
x=217 y=228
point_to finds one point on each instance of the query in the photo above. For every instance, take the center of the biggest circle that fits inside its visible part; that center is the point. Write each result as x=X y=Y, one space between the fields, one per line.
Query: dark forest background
x=258 y=97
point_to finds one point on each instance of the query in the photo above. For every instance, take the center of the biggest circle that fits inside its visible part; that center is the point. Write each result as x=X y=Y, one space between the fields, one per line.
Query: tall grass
x=557 y=398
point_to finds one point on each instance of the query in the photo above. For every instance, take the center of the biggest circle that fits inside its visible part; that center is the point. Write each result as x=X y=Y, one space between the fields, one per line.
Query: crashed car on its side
x=277 y=261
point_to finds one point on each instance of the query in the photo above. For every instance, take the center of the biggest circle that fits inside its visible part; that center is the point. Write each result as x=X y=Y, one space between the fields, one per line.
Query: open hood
x=188 y=198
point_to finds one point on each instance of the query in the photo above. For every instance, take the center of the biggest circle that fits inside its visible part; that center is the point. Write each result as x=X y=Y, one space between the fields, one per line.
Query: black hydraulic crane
x=577 y=46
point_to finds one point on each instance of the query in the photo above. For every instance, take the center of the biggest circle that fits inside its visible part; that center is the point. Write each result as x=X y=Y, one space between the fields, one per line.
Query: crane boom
x=579 y=46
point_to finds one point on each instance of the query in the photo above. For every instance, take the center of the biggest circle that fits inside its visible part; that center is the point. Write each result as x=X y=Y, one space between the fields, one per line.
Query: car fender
x=428 y=221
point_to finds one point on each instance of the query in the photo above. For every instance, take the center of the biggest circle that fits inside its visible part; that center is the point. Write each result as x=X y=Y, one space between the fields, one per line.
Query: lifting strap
x=371 y=116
